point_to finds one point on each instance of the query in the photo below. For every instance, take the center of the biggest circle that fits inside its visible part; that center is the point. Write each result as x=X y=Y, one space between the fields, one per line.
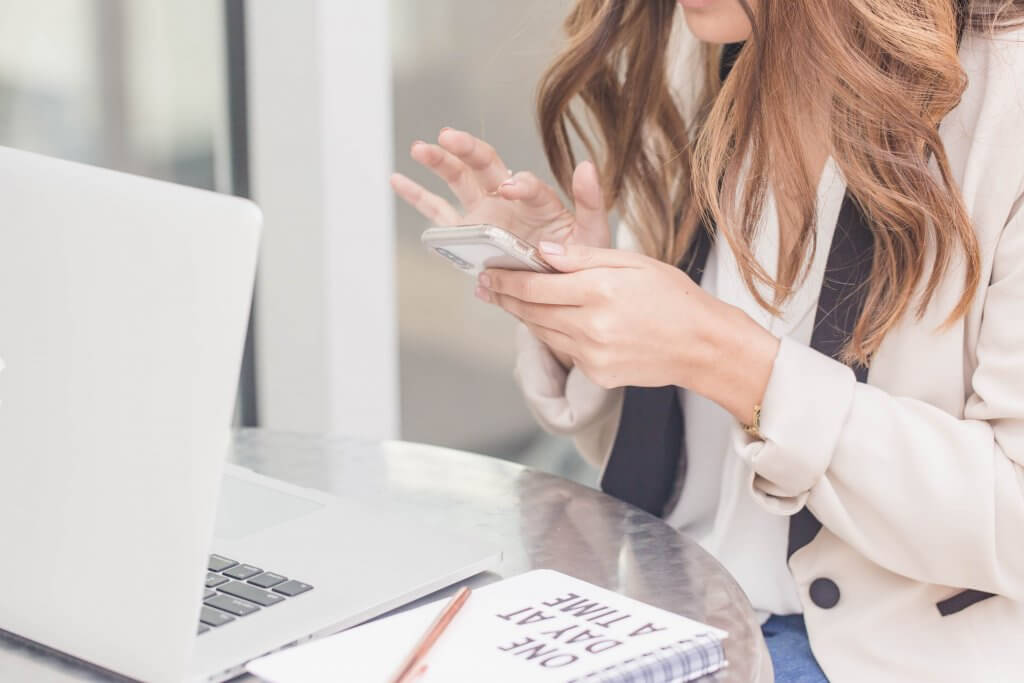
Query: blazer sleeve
x=566 y=401
x=905 y=483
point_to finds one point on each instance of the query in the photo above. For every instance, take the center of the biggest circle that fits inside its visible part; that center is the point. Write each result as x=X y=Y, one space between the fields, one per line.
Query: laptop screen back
x=123 y=308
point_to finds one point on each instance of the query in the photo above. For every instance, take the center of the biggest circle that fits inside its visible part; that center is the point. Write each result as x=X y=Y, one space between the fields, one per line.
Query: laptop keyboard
x=235 y=589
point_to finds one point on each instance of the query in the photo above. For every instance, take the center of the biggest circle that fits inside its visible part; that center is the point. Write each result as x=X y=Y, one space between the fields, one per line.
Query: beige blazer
x=917 y=476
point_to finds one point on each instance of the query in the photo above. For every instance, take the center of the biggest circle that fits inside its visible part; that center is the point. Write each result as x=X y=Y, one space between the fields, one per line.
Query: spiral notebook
x=539 y=626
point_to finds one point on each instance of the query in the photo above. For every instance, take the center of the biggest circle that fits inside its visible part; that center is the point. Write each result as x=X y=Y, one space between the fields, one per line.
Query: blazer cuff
x=805 y=406
x=563 y=401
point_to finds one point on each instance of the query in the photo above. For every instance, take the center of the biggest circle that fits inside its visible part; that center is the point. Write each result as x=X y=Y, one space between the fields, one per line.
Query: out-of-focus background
x=305 y=106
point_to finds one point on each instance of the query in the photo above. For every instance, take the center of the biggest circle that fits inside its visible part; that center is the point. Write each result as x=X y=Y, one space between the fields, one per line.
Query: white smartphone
x=474 y=248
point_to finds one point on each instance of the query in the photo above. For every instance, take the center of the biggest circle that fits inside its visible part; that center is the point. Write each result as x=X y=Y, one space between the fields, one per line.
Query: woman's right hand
x=489 y=193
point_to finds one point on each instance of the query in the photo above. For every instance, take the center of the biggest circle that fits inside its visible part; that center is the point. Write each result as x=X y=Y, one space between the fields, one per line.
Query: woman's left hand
x=627 y=319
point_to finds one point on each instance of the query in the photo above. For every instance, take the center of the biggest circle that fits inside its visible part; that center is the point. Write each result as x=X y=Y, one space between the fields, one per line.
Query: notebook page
x=539 y=626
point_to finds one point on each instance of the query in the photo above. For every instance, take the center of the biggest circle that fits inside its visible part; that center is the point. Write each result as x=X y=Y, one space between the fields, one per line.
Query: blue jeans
x=792 y=659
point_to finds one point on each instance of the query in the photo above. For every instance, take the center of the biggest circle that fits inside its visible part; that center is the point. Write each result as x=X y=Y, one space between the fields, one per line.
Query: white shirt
x=713 y=509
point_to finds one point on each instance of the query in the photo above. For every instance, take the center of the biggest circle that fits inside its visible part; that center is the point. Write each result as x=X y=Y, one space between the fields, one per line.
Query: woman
x=828 y=392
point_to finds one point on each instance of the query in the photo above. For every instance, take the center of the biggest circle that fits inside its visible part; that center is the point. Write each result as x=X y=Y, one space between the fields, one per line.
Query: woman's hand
x=626 y=319
x=490 y=193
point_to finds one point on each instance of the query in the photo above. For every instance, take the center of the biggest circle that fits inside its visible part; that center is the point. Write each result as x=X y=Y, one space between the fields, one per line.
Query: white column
x=321 y=151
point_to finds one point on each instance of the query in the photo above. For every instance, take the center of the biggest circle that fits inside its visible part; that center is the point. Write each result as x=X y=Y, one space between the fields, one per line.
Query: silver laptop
x=123 y=308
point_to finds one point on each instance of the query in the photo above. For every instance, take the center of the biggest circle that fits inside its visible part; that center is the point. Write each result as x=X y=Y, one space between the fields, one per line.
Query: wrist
x=738 y=360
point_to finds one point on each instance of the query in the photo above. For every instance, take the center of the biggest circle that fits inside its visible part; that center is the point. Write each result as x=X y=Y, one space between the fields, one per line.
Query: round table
x=540 y=520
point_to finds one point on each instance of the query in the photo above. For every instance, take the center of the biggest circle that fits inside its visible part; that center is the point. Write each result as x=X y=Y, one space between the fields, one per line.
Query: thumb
x=569 y=258
x=591 y=214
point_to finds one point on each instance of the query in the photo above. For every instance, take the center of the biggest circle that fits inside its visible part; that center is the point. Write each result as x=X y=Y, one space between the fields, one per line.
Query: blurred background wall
x=145 y=86
x=135 y=85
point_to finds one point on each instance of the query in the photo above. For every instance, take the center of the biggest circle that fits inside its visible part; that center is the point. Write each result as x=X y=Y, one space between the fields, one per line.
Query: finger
x=570 y=258
x=556 y=340
x=449 y=168
x=488 y=168
x=435 y=209
x=544 y=315
x=538 y=288
x=527 y=188
x=591 y=212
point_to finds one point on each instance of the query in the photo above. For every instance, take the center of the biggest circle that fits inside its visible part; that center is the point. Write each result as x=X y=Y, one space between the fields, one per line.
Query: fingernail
x=447 y=128
x=417 y=144
x=511 y=182
x=551 y=248
x=485 y=280
x=483 y=295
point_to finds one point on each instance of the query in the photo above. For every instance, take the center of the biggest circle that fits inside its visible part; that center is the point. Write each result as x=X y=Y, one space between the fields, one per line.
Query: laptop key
x=207 y=593
x=214 y=580
x=212 y=617
x=243 y=571
x=219 y=563
x=292 y=587
x=240 y=608
x=267 y=579
x=203 y=628
x=250 y=593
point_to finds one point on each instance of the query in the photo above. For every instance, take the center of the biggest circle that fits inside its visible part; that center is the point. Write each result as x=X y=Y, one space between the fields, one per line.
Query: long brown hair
x=892 y=71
